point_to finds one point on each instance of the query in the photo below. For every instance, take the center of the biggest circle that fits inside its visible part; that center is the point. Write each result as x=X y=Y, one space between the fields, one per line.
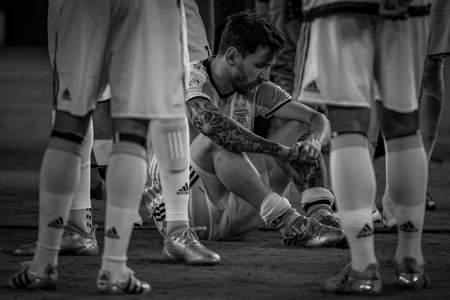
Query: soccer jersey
x=263 y=100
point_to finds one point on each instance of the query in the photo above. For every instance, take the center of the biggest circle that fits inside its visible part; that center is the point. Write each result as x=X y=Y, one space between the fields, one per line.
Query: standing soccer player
x=347 y=45
x=138 y=47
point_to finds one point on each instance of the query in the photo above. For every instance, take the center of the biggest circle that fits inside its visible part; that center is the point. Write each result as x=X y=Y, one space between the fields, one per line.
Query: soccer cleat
x=429 y=202
x=349 y=281
x=25 y=279
x=376 y=217
x=330 y=220
x=131 y=285
x=183 y=245
x=309 y=233
x=74 y=242
x=389 y=220
x=409 y=275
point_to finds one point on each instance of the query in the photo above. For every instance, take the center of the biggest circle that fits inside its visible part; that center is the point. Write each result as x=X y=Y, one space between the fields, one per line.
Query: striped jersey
x=263 y=100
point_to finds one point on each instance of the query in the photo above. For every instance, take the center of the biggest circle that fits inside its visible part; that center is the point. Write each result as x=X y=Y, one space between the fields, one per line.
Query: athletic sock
x=406 y=177
x=353 y=182
x=170 y=140
x=59 y=179
x=125 y=183
x=82 y=218
x=277 y=213
x=317 y=202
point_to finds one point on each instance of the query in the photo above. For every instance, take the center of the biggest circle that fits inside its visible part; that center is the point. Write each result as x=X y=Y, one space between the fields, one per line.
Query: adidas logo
x=57 y=223
x=184 y=190
x=312 y=87
x=366 y=231
x=112 y=233
x=66 y=95
x=408 y=227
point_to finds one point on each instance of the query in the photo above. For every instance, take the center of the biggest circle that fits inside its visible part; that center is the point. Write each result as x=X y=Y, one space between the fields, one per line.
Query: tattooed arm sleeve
x=229 y=134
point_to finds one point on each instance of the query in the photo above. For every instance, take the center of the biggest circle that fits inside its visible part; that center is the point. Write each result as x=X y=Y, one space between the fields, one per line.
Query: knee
x=395 y=124
x=70 y=133
x=349 y=120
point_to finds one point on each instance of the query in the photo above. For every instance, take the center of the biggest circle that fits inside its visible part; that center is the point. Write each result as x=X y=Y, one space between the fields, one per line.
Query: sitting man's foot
x=349 y=281
x=429 y=202
x=309 y=233
x=183 y=245
x=74 y=242
x=25 y=279
x=130 y=285
x=409 y=275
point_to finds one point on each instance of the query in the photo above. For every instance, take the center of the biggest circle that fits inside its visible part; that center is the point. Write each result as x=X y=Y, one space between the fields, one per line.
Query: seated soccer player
x=240 y=174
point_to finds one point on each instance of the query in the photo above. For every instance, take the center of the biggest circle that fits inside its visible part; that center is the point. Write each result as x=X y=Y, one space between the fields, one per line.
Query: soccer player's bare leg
x=235 y=173
x=316 y=199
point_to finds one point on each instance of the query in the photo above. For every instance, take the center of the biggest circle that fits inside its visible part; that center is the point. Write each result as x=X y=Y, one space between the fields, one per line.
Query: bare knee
x=395 y=124
x=349 y=119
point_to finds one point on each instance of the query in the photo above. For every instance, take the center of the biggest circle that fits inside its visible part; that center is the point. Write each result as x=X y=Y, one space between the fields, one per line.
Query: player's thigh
x=80 y=41
x=338 y=68
x=401 y=52
x=439 y=41
x=148 y=69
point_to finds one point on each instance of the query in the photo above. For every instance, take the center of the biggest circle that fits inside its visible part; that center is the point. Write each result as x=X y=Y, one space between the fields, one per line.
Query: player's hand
x=308 y=150
x=394 y=9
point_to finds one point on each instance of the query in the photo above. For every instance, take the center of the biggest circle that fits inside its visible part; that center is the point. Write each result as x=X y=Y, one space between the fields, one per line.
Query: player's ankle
x=175 y=225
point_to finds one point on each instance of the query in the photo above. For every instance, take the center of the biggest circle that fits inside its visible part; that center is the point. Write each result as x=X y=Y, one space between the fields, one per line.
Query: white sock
x=353 y=182
x=406 y=176
x=125 y=182
x=59 y=178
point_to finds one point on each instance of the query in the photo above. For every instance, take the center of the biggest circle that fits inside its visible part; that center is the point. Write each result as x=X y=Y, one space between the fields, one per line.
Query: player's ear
x=231 y=55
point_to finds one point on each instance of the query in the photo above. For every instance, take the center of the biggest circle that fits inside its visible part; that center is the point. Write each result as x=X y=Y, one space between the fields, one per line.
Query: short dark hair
x=247 y=30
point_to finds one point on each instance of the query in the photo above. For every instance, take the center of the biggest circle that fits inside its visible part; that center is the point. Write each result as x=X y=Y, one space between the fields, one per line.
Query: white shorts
x=439 y=42
x=340 y=57
x=137 y=46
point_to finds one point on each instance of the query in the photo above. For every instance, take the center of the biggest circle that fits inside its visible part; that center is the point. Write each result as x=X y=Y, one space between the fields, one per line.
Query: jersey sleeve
x=199 y=84
x=270 y=97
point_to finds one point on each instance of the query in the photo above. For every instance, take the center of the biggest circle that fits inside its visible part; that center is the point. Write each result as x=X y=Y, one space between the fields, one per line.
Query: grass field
x=258 y=268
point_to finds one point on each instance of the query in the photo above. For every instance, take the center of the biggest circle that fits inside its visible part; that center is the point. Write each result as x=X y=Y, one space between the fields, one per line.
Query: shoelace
x=191 y=237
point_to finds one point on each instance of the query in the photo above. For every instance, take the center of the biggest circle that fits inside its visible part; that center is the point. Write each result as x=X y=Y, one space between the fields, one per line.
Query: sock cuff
x=312 y=195
x=60 y=144
x=272 y=207
x=349 y=140
x=404 y=143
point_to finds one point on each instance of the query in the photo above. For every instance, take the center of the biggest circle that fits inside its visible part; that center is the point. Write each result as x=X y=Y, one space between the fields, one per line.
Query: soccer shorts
x=138 y=47
x=439 y=42
x=340 y=57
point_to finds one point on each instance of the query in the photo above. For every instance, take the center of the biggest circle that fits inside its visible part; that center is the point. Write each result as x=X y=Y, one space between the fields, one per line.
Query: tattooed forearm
x=226 y=132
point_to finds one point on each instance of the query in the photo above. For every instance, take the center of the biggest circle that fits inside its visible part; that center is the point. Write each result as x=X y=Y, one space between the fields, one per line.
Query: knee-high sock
x=353 y=182
x=125 y=182
x=407 y=174
x=80 y=212
x=59 y=178
x=170 y=140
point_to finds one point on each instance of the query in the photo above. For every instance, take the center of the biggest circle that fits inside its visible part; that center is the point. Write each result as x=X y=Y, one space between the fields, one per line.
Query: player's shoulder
x=198 y=74
x=269 y=88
